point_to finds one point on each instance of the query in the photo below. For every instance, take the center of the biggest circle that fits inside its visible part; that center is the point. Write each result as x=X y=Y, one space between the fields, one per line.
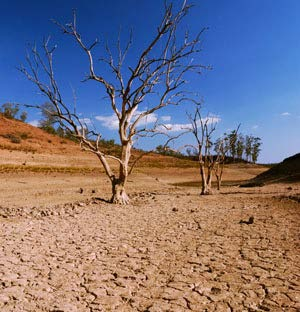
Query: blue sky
x=252 y=45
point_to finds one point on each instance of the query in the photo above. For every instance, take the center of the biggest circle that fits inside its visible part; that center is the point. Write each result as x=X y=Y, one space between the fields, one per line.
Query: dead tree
x=202 y=129
x=222 y=146
x=221 y=151
x=159 y=75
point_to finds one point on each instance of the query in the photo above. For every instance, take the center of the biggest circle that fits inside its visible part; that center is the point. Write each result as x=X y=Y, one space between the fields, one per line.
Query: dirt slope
x=286 y=171
x=19 y=136
x=26 y=140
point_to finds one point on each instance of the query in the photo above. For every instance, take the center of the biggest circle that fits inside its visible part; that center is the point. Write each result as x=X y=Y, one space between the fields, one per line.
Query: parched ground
x=169 y=250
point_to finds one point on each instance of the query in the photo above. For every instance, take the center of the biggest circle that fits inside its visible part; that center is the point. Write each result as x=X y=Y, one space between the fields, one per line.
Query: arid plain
x=65 y=248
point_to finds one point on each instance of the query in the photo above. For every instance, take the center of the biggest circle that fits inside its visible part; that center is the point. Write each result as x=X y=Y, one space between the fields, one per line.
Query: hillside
x=35 y=147
x=27 y=148
x=286 y=171
x=16 y=135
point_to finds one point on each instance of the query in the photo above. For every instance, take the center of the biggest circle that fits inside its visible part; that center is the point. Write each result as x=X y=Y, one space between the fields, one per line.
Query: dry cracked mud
x=169 y=250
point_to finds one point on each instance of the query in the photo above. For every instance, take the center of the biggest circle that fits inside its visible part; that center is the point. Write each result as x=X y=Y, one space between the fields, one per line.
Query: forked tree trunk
x=219 y=174
x=206 y=181
x=206 y=189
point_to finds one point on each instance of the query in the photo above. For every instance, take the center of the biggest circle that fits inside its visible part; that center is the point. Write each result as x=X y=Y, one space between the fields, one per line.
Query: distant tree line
x=239 y=146
x=235 y=147
x=168 y=151
x=12 y=111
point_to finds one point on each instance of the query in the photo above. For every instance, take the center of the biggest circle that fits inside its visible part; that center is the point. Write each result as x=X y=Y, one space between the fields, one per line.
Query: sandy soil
x=78 y=159
x=63 y=248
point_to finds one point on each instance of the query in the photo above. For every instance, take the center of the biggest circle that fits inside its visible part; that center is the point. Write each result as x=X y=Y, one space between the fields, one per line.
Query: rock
x=250 y=221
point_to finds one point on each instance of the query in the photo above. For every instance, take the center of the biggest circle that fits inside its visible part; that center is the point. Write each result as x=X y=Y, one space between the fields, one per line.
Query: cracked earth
x=169 y=250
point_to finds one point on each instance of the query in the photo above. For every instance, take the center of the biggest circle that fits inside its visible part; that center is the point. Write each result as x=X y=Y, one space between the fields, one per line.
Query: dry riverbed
x=66 y=249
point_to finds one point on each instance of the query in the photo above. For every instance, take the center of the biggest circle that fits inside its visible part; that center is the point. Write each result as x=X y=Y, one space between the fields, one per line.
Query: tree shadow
x=107 y=201
x=235 y=193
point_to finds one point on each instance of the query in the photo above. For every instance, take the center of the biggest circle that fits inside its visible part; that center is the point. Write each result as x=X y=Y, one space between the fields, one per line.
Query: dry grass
x=11 y=147
x=48 y=169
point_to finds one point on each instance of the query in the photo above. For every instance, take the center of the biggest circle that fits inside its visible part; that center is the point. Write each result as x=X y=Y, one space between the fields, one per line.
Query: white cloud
x=85 y=121
x=285 y=114
x=174 y=127
x=111 y=122
x=187 y=126
x=34 y=123
x=255 y=127
x=211 y=120
x=149 y=119
x=165 y=118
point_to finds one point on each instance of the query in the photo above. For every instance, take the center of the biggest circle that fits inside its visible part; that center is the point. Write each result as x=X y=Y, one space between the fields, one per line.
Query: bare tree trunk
x=218 y=184
x=219 y=174
x=119 y=195
x=206 y=187
x=209 y=178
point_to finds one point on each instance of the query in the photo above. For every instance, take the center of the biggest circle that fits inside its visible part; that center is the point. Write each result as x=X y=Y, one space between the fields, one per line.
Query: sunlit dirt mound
x=16 y=135
x=286 y=171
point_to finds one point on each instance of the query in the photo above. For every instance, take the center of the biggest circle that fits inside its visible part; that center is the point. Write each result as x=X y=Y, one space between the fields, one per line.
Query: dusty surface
x=169 y=250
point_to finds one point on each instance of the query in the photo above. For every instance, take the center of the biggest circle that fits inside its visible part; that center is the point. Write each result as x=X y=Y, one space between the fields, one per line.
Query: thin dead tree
x=222 y=147
x=202 y=129
x=159 y=76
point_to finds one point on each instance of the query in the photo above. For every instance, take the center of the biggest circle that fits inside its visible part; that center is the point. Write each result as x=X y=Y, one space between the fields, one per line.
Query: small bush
x=24 y=136
x=13 y=138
